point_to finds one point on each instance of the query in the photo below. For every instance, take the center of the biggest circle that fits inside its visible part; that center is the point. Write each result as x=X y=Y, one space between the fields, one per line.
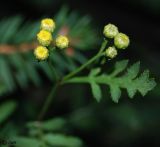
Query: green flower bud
x=110 y=31
x=111 y=52
x=121 y=41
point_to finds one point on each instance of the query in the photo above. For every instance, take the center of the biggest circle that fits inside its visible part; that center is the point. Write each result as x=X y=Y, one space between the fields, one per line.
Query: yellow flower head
x=41 y=53
x=121 y=41
x=62 y=42
x=48 y=24
x=110 y=31
x=111 y=52
x=44 y=37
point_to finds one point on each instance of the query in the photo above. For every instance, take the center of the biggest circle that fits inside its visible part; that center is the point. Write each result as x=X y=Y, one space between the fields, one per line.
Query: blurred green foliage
x=6 y=110
x=18 y=68
x=73 y=112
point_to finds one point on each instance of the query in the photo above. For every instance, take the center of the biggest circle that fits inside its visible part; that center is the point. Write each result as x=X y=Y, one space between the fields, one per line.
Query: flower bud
x=44 y=37
x=110 y=31
x=121 y=41
x=41 y=53
x=111 y=52
x=62 y=42
x=48 y=24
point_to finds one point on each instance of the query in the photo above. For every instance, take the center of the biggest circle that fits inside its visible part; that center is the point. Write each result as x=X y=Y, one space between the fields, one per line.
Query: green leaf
x=6 y=109
x=131 y=91
x=144 y=83
x=116 y=81
x=27 y=142
x=32 y=73
x=9 y=29
x=48 y=125
x=17 y=62
x=119 y=67
x=95 y=72
x=5 y=74
x=53 y=124
x=115 y=93
x=96 y=90
x=62 y=140
x=46 y=69
x=3 y=88
x=133 y=71
x=62 y=15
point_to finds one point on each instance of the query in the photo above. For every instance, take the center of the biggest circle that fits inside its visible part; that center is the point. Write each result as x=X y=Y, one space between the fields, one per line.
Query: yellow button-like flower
x=121 y=41
x=41 y=53
x=62 y=42
x=111 y=52
x=48 y=24
x=110 y=31
x=44 y=37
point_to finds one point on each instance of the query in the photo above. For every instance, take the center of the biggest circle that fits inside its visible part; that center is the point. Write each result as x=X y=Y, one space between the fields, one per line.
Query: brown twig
x=23 y=47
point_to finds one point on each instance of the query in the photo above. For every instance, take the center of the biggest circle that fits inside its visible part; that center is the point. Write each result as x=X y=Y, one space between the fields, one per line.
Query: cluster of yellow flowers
x=45 y=39
x=121 y=41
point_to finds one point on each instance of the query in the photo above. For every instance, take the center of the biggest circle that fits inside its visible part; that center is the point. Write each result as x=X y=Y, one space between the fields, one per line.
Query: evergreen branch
x=18 y=41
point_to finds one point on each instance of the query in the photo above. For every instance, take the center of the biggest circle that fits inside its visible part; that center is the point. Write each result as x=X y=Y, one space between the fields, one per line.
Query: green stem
x=53 y=70
x=67 y=77
x=80 y=68
x=48 y=101
x=78 y=80
x=99 y=54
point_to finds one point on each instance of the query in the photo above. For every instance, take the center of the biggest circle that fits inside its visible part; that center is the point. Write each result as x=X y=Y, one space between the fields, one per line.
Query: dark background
x=140 y=20
x=132 y=16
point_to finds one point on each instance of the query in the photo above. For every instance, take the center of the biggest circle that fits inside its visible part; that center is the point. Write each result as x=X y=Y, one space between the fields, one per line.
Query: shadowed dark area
x=131 y=122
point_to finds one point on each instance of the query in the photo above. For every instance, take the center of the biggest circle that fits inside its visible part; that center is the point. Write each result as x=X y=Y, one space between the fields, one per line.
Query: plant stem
x=67 y=77
x=80 y=68
x=99 y=54
x=48 y=101
x=53 y=70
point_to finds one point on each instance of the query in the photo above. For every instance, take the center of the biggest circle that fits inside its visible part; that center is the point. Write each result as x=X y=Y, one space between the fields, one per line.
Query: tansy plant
x=45 y=39
x=114 y=42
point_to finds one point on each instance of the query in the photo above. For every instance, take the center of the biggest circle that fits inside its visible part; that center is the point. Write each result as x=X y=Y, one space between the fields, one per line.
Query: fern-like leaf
x=130 y=80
